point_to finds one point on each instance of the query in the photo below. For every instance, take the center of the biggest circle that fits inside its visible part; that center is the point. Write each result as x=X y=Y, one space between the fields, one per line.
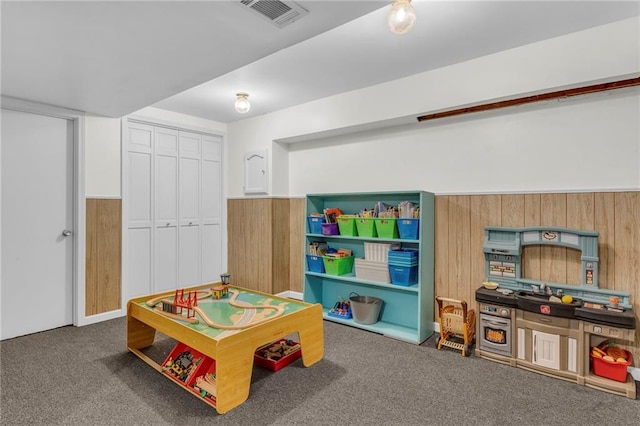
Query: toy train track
x=156 y=303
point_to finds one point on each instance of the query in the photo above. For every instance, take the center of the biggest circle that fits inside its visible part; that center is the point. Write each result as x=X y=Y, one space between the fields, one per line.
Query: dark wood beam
x=558 y=94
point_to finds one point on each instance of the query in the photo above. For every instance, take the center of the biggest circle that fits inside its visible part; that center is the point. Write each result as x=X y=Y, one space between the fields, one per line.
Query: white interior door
x=37 y=209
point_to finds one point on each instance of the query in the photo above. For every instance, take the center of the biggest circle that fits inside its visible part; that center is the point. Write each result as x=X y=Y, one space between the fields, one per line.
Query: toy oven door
x=495 y=334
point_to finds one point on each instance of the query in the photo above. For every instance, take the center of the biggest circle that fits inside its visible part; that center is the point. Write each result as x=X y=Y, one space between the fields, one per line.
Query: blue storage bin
x=315 y=263
x=403 y=275
x=403 y=257
x=315 y=224
x=408 y=228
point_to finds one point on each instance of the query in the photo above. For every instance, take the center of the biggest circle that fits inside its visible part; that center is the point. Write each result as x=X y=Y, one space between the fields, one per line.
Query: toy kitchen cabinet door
x=255 y=172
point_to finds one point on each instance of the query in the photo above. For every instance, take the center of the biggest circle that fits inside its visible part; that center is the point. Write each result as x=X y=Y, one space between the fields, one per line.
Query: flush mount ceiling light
x=242 y=103
x=401 y=17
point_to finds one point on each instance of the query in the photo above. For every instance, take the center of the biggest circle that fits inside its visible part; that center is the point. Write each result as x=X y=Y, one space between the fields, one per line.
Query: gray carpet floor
x=85 y=376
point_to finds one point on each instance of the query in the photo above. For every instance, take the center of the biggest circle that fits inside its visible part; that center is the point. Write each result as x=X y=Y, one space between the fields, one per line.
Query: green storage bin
x=366 y=227
x=386 y=227
x=338 y=265
x=347 y=226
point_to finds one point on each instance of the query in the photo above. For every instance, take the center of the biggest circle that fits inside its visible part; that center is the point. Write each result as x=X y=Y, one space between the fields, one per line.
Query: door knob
x=66 y=233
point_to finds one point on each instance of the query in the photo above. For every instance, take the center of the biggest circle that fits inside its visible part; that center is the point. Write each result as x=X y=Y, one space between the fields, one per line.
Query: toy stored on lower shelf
x=207 y=385
x=182 y=363
x=277 y=355
x=341 y=309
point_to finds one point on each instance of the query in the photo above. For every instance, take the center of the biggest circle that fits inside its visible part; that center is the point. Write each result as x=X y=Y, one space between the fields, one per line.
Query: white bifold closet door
x=211 y=208
x=174 y=209
x=189 y=239
x=166 y=210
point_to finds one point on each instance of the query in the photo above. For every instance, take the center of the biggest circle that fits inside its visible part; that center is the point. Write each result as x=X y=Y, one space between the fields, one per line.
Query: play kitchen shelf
x=408 y=305
x=548 y=333
x=593 y=335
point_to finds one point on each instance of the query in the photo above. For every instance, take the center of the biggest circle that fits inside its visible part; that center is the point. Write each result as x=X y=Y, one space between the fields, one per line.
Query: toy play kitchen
x=560 y=330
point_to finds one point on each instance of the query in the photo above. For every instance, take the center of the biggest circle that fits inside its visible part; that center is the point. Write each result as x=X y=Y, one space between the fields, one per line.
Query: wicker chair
x=457 y=324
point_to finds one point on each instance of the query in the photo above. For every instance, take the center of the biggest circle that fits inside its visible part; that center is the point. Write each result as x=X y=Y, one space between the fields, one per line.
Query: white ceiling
x=113 y=58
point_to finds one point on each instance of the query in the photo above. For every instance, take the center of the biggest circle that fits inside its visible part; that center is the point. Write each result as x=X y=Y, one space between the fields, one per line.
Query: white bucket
x=365 y=309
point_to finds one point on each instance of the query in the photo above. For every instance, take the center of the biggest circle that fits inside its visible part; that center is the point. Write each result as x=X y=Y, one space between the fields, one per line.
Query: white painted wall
x=555 y=146
x=103 y=146
x=181 y=120
x=586 y=144
x=102 y=157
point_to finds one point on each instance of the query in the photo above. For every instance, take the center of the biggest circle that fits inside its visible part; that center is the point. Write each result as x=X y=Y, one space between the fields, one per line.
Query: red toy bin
x=181 y=374
x=275 y=365
x=611 y=370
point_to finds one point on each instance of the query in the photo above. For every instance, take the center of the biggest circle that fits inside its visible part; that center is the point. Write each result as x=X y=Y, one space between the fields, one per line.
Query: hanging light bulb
x=242 y=103
x=401 y=17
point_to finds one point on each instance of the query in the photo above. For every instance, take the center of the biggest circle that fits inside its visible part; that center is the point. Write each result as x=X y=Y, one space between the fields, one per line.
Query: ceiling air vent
x=279 y=13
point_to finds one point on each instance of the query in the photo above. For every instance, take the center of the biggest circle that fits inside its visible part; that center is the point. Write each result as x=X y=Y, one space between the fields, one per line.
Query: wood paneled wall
x=257 y=227
x=298 y=226
x=103 y=255
x=461 y=219
x=259 y=243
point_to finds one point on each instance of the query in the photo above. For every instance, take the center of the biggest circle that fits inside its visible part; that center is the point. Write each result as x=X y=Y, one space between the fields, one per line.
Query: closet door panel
x=190 y=145
x=189 y=256
x=166 y=259
x=166 y=211
x=189 y=246
x=139 y=262
x=140 y=137
x=166 y=177
x=166 y=190
x=189 y=210
x=211 y=252
x=139 y=213
x=189 y=191
x=189 y=178
x=139 y=189
x=211 y=191
x=211 y=148
x=166 y=141
x=211 y=208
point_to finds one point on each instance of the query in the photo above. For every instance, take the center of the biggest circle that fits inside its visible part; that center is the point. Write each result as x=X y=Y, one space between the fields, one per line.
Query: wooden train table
x=226 y=328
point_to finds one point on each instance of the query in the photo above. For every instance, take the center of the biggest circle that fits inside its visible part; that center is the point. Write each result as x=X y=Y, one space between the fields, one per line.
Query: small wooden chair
x=457 y=324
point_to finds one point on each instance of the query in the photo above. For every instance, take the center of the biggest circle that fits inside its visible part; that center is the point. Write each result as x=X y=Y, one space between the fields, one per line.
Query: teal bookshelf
x=408 y=311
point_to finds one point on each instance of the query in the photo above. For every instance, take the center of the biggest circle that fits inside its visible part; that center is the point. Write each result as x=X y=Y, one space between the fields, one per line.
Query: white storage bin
x=372 y=271
x=377 y=252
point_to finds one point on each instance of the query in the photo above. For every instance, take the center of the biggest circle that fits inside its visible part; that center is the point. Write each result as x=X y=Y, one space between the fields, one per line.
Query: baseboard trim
x=291 y=295
x=93 y=319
